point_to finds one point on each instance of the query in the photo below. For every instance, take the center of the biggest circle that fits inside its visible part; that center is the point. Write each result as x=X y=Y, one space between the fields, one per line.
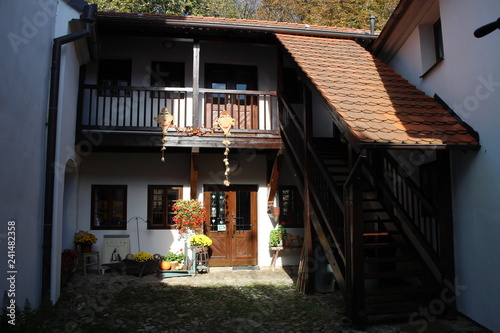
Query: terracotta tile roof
x=377 y=105
x=226 y=22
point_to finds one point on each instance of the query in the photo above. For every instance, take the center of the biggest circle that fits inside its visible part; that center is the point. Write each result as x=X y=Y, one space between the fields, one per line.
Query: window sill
x=432 y=67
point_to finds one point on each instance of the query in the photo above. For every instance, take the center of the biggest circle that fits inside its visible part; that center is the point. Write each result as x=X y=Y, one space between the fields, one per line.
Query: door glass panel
x=242 y=217
x=221 y=96
x=217 y=211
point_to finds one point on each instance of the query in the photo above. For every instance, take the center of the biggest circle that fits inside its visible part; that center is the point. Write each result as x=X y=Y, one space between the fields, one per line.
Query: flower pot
x=173 y=265
x=85 y=248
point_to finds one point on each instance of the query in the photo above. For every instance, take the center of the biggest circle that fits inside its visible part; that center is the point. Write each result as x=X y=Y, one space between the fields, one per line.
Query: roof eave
x=410 y=146
x=192 y=23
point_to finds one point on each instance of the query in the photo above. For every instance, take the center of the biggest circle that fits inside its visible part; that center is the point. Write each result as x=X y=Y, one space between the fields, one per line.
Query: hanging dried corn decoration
x=225 y=122
x=165 y=120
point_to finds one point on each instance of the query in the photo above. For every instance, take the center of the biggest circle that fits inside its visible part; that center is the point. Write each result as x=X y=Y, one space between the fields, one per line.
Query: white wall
x=27 y=30
x=67 y=159
x=468 y=80
x=137 y=171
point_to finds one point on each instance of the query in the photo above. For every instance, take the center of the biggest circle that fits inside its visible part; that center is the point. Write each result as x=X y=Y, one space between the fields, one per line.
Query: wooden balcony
x=124 y=116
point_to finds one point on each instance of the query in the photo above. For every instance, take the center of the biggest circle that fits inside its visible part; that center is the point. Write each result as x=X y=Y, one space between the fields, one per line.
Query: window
x=109 y=207
x=160 y=201
x=291 y=206
x=438 y=40
x=431 y=45
x=114 y=72
x=233 y=77
x=166 y=74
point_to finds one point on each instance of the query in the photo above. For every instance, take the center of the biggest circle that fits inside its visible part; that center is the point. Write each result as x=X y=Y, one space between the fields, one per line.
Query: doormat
x=246 y=268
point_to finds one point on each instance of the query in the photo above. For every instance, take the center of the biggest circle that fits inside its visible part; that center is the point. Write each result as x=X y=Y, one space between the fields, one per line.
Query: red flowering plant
x=69 y=257
x=189 y=216
x=277 y=235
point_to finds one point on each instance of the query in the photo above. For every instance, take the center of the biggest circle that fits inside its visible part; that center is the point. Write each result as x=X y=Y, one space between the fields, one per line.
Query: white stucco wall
x=137 y=171
x=27 y=29
x=67 y=159
x=468 y=80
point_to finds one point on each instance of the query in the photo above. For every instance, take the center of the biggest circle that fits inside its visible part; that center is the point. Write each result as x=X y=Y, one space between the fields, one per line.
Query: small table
x=276 y=253
x=85 y=256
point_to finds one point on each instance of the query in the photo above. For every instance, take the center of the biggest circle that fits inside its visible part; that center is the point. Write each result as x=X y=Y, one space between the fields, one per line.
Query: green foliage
x=277 y=235
x=341 y=13
x=172 y=256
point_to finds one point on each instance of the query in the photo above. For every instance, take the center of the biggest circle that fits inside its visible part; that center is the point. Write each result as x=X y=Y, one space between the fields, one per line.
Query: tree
x=341 y=13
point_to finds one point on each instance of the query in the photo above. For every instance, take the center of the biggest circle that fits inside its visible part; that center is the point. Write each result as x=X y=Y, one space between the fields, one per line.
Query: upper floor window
x=109 y=207
x=166 y=74
x=233 y=77
x=114 y=72
x=431 y=45
x=160 y=201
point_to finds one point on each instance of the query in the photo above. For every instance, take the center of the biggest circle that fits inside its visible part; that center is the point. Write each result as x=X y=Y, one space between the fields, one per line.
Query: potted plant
x=277 y=235
x=175 y=258
x=200 y=243
x=189 y=216
x=141 y=263
x=85 y=240
x=68 y=262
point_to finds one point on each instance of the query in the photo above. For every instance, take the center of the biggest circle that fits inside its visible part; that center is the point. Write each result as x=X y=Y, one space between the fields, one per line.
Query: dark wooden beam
x=445 y=219
x=262 y=140
x=354 y=244
x=275 y=175
x=195 y=156
x=308 y=237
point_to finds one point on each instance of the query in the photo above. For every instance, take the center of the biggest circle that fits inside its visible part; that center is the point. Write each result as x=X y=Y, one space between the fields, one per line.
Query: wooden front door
x=231 y=223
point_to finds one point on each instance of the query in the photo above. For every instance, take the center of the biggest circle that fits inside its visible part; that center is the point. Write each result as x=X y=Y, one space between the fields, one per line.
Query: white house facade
x=467 y=78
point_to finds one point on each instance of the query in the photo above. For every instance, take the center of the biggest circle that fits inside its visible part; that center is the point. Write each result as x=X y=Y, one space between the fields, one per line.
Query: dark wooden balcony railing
x=134 y=108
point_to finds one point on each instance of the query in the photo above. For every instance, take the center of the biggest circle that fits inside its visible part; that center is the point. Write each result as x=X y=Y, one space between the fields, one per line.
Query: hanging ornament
x=165 y=120
x=225 y=122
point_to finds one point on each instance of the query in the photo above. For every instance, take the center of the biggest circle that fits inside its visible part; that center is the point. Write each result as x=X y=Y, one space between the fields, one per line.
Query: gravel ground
x=223 y=300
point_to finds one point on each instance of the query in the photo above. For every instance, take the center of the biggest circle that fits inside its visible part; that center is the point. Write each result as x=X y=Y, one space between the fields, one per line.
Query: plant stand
x=191 y=271
x=202 y=265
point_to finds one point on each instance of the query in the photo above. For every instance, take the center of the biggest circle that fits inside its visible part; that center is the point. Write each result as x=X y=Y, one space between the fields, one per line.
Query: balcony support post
x=196 y=83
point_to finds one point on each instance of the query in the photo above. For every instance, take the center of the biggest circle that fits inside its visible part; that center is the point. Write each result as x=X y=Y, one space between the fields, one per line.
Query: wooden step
x=380 y=233
x=403 y=290
x=394 y=274
x=380 y=245
x=377 y=221
x=380 y=260
x=395 y=307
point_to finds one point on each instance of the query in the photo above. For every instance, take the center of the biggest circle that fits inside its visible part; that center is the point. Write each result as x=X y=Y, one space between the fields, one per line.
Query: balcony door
x=231 y=223
x=241 y=106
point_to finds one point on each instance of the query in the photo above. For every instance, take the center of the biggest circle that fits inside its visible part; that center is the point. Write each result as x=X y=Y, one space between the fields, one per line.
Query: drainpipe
x=372 y=24
x=88 y=16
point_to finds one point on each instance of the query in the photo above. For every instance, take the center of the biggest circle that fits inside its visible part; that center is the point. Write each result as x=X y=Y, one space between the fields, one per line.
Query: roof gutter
x=247 y=27
x=88 y=17
x=410 y=146
x=390 y=26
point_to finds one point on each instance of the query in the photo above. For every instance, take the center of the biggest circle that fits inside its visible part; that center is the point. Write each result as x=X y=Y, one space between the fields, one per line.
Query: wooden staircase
x=396 y=279
x=389 y=246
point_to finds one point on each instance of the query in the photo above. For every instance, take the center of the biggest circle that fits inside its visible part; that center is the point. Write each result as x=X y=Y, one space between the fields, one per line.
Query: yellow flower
x=85 y=238
x=200 y=240
x=142 y=256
